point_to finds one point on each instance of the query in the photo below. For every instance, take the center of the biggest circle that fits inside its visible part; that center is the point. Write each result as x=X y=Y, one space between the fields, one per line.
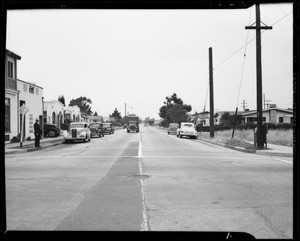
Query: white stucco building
x=53 y=112
x=56 y=113
x=31 y=95
x=17 y=93
x=72 y=114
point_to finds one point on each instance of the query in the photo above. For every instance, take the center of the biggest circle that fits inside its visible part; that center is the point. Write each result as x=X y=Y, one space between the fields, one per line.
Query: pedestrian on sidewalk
x=37 y=133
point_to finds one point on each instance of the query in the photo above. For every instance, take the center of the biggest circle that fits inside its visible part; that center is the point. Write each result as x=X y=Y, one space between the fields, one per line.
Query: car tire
x=51 y=133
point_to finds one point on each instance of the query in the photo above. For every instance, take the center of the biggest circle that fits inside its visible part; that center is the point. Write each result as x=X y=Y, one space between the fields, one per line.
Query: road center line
x=140 y=150
x=144 y=225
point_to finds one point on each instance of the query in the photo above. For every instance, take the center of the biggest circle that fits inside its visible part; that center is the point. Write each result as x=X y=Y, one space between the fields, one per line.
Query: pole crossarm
x=263 y=27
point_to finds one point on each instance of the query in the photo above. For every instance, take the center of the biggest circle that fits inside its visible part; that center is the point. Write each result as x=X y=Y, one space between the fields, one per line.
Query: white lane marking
x=144 y=225
x=140 y=150
x=139 y=156
x=66 y=156
x=277 y=159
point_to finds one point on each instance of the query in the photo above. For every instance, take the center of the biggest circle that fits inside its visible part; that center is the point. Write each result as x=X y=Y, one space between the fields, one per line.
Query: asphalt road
x=149 y=181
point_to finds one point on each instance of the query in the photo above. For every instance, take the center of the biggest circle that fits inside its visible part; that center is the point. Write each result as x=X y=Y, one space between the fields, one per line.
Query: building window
x=7 y=114
x=264 y=119
x=10 y=71
x=280 y=119
x=31 y=89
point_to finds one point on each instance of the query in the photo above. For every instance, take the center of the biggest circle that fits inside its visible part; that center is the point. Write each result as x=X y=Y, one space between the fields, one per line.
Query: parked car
x=51 y=130
x=172 y=128
x=187 y=129
x=108 y=128
x=96 y=129
x=77 y=131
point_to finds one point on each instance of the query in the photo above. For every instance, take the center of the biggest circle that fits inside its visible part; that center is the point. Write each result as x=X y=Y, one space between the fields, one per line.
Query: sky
x=135 y=58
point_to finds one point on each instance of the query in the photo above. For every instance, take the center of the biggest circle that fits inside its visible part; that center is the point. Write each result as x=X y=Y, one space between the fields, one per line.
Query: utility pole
x=244 y=105
x=258 y=27
x=211 y=95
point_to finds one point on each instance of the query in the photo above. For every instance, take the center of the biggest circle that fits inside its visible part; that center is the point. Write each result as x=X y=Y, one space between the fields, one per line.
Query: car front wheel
x=51 y=133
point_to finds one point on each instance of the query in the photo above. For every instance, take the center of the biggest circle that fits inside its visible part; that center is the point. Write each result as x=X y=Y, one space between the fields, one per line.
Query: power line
x=244 y=58
x=249 y=42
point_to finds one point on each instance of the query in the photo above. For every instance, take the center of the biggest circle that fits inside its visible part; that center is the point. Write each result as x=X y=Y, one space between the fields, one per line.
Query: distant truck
x=132 y=123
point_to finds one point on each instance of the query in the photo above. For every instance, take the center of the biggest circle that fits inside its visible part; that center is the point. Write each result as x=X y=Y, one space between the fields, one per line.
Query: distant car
x=108 y=128
x=51 y=130
x=172 y=128
x=187 y=129
x=96 y=129
x=77 y=131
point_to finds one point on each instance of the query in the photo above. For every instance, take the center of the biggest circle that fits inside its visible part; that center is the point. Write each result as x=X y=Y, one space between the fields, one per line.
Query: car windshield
x=106 y=124
x=77 y=125
x=174 y=125
x=188 y=125
x=94 y=125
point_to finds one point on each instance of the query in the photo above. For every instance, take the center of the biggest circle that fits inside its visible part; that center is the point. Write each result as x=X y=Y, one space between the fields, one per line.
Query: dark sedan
x=96 y=129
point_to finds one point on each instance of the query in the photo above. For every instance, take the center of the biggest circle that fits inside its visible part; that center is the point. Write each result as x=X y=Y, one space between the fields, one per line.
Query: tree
x=83 y=104
x=174 y=110
x=95 y=114
x=178 y=114
x=116 y=114
x=62 y=100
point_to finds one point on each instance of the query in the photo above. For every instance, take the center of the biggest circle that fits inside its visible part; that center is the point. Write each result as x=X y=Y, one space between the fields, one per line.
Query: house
x=31 y=95
x=56 y=113
x=72 y=114
x=95 y=118
x=12 y=120
x=204 y=117
x=271 y=115
x=53 y=112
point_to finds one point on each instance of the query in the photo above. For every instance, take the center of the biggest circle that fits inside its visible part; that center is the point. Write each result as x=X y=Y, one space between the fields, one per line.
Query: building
x=95 y=118
x=272 y=115
x=53 y=112
x=72 y=114
x=56 y=113
x=204 y=117
x=17 y=94
x=12 y=125
x=31 y=95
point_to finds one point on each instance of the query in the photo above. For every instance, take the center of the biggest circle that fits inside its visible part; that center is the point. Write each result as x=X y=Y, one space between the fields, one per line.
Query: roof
x=266 y=110
x=12 y=54
x=30 y=83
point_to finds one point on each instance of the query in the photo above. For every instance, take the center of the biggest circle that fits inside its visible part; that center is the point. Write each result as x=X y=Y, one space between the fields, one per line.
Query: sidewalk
x=13 y=148
x=272 y=149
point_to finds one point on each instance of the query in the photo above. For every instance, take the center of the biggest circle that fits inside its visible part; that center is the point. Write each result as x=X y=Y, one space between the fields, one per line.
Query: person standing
x=37 y=133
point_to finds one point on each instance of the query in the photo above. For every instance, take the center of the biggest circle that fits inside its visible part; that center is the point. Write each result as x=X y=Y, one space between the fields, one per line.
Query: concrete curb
x=228 y=146
x=263 y=152
x=30 y=149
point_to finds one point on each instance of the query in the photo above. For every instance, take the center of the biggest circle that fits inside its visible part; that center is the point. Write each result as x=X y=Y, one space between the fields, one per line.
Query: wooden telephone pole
x=258 y=27
x=211 y=95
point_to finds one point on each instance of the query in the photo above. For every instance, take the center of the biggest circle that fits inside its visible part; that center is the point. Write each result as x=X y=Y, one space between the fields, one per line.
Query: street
x=149 y=181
